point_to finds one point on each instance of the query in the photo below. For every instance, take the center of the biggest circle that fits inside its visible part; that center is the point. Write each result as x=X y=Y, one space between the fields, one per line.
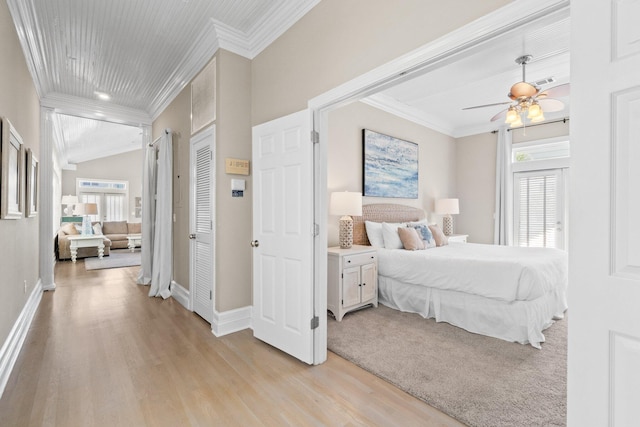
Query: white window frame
x=102 y=190
x=536 y=167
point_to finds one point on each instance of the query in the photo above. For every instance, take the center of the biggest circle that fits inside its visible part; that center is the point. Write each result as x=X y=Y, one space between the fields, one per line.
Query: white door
x=351 y=286
x=283 y=234
x=538 y=209
x=202 y=218
x=604 y=244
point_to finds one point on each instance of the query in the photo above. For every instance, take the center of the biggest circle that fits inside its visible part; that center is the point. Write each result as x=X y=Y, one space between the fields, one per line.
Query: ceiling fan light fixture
x=534 y=111
x=538 y=118
x=517 y=123
x=522 y=90
x=512 y=115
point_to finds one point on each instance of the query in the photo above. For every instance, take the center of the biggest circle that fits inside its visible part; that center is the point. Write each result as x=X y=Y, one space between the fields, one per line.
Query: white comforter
x=499 y=272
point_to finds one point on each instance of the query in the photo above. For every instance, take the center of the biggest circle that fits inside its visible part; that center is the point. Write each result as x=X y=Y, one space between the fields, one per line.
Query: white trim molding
x=180 y=294
x=13 y=344
x=228 y=322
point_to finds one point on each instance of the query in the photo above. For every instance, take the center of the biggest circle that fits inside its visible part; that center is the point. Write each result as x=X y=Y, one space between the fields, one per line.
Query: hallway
x=100 y=352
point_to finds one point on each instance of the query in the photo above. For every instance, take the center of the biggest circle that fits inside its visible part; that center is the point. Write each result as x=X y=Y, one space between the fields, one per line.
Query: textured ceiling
x=483 y=75
x=139 y=52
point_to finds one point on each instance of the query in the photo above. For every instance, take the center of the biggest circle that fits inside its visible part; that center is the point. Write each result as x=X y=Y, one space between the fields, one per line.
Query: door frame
x=209 y=132
x=420 y=61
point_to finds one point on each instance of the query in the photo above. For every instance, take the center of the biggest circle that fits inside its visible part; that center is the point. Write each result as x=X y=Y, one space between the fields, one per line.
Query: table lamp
x=447 y=207
x=346 y=203
x=69 y=201
x=86 y=209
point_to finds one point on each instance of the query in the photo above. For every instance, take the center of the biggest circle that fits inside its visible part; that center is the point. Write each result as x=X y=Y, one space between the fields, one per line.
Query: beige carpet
x=478 y=380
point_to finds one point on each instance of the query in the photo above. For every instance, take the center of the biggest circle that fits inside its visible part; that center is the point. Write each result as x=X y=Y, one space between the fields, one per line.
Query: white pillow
x=97 y=229
x=391 y=236
x=374 y=233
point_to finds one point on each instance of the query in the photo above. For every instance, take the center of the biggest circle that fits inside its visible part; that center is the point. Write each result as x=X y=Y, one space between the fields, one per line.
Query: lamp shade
x=346 y=203
x=69 y=200
x=447 y=206
x=86 y=209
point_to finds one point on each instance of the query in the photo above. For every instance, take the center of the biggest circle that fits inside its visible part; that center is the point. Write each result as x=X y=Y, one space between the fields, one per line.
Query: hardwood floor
x=100 y=352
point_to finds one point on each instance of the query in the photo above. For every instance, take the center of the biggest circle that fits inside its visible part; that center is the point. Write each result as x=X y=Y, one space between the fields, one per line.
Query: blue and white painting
x=390 y=166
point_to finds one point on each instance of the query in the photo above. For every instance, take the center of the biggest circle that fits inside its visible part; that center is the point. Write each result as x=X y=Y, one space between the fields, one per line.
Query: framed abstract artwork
x=31 y=199
x=390 y=166
x=12 y=165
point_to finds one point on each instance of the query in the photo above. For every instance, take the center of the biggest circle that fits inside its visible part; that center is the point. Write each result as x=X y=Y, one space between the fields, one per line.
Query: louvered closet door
x=202 y=218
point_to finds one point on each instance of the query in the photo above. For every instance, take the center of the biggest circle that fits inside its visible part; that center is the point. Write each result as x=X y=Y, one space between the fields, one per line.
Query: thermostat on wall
x=237 y=187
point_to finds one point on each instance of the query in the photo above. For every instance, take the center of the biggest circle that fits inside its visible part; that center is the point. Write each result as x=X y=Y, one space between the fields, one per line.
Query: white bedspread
x=498 y=272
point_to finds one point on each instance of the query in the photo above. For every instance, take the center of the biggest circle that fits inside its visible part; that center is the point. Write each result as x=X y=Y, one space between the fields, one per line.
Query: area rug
x=115 y=259
x=478 y=380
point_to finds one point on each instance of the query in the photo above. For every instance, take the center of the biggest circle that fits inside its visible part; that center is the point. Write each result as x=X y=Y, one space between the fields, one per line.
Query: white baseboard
x=12 y=346
x=180 y=294
x=227 y=322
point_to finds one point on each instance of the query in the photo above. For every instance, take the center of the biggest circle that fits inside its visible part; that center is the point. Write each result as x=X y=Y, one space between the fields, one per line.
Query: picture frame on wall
x=31 y=171
x=12 y=165
x=390 y=166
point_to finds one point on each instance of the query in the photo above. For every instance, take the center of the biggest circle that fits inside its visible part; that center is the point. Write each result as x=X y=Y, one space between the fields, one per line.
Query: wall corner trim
x=13 y=344
x=228 y=322
x=180 y=294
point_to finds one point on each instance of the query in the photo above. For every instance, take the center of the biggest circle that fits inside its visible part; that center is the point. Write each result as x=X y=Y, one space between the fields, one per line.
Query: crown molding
x=93 y=109
x=392 y=106
x=273 y=24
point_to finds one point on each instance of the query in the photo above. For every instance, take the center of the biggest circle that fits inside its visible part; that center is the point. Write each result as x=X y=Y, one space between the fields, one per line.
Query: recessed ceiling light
x=99 y=115
x=102 y=95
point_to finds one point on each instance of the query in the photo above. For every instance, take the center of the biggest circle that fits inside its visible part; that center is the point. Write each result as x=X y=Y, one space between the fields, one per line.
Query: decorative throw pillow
x=423 y=230
x=374 y=233
x=411 y=241
x=438 y=235
x=390 y=235
x=69 y=228
x=97 y=229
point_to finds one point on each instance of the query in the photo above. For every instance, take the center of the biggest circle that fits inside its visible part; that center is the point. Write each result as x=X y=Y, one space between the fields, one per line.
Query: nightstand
x=352 y=280
x=458 y=238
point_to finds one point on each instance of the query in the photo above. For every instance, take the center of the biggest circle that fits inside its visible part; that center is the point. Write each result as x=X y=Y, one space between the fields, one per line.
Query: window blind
x=537 y=218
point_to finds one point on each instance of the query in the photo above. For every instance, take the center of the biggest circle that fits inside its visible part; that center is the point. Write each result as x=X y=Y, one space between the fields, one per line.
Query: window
x=538 y=213
x=110 y=196
x=540 y=170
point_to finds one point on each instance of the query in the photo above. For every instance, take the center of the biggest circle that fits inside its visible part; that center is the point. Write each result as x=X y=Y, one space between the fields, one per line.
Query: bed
x=508 y=293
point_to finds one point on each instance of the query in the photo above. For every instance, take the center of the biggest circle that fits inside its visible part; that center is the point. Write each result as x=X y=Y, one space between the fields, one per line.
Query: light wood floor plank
x=100 y=352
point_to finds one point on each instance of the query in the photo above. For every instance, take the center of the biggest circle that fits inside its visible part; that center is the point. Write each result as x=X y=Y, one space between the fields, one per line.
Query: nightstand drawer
x=359 y=259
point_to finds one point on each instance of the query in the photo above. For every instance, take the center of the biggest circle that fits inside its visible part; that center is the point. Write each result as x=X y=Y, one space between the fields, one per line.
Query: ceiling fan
x=527 y=98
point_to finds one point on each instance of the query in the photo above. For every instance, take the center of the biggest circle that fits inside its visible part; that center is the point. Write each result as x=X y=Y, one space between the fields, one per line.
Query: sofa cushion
x=117 y=237
x=114 y=227
x=69 y=228
x=134 y=227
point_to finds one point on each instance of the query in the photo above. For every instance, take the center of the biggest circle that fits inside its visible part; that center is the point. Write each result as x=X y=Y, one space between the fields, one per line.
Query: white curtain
x=148 y=212
x=502 y=234
x=157 y=260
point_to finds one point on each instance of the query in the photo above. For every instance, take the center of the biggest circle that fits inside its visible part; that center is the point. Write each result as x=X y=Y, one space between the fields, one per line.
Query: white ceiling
x=143 y=52
x=482 y=75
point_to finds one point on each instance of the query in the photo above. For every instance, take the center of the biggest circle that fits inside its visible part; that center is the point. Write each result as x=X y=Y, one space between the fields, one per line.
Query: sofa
x=114 y=232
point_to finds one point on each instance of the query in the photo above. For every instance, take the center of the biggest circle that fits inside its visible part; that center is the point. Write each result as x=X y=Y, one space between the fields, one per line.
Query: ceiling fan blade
x=557 y=91
x=501 y=115
x=551 y=105
x=486 y=105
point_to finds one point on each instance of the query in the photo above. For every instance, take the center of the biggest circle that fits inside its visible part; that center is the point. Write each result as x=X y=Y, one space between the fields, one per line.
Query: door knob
x=192 y=236
x=255 y=244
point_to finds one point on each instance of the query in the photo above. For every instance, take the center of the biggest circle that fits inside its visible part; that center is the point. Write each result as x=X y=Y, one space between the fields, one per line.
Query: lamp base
x=346 y=232
x=447 y=225
x=86 y=225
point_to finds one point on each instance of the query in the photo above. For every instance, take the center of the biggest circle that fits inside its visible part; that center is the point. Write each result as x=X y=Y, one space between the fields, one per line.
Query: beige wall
x=476 y=177
x=20 y=246
x=123 y=167
x=339 y=40
x=233 y=214
x=437 y=166
x=476 y=181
